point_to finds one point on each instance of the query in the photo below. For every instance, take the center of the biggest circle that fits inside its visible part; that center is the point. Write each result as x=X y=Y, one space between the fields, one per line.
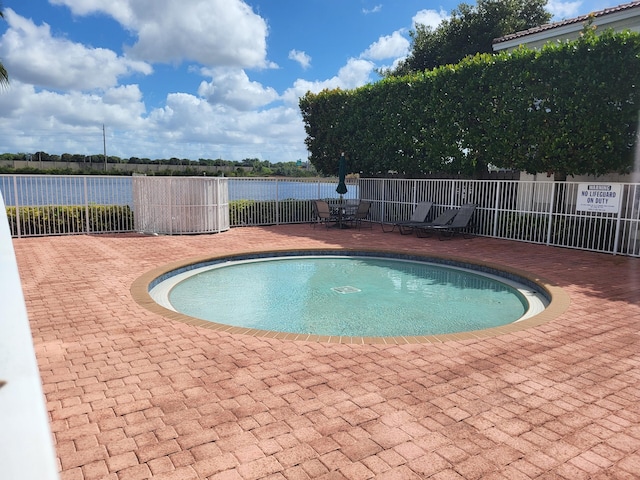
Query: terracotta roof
x=570 y=21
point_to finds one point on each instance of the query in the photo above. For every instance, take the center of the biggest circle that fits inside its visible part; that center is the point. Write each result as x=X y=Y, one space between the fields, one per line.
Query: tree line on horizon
x=95 y=164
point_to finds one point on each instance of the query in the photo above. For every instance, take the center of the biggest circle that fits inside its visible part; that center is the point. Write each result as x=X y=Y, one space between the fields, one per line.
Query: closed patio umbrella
x=342 y=174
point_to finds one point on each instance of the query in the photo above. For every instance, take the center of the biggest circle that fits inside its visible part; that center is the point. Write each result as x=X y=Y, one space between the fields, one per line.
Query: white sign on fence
x=599 y=197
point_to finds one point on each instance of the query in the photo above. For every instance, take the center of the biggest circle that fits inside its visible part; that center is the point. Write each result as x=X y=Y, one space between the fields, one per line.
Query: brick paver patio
x=133 y=395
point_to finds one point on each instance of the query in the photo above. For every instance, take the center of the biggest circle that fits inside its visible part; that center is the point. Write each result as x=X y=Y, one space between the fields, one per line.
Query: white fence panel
x=275 y=201
x=529 y=211
x=59 y=205
x=181 y=205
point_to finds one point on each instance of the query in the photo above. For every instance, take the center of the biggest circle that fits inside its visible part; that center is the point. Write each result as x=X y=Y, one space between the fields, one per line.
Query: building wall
x=619 y=21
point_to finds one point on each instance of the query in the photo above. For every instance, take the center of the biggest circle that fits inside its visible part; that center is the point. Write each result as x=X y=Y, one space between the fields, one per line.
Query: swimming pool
x=359 y=294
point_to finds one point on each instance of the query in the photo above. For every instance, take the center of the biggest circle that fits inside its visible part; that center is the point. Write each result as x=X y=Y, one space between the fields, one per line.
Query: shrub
x=268 y=212
x=53 y=220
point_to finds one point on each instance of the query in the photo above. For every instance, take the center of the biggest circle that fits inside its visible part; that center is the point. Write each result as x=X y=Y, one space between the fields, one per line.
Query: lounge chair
x=459 y=223
x=419 y=215
x=446 y=217
x=361 y=213
x=322 y=213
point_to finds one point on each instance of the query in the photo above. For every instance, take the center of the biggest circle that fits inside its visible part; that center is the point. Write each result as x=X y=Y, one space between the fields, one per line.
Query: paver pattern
x=132 y=395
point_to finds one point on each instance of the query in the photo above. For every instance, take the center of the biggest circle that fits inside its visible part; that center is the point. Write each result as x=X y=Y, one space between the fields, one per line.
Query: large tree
x=469 y=30
x=4 y=76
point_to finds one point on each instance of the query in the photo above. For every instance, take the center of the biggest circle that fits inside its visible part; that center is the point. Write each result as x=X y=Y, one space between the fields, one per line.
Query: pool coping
x=559 y=300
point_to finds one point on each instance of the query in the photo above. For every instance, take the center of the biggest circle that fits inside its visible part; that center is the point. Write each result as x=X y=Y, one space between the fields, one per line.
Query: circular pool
x=354 y=294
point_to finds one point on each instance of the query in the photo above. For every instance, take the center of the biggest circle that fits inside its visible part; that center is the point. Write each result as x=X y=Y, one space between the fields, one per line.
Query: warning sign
x=599 y=197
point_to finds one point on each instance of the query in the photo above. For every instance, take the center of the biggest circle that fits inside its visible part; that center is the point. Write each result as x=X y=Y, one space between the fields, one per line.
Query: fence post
x=86 y=207
x=494 y=230
x=551 y=211
x=414 y=200
x=384 y=201
x=15 y=202
x=454 y=185
x=277 y=204
x=218 y=205
x=171 y=193
x=616 y=237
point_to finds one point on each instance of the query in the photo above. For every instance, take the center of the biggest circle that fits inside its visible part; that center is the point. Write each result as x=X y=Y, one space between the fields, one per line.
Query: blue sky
x=194 y=78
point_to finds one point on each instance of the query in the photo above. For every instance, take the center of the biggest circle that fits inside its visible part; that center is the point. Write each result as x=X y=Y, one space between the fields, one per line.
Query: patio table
x=344 y=213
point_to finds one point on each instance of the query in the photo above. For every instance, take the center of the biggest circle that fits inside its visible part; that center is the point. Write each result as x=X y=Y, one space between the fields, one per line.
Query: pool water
x=345 y=296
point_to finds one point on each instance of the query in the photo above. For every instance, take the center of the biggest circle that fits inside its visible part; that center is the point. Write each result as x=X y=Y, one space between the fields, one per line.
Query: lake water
x=285 y=189
x=77 y=190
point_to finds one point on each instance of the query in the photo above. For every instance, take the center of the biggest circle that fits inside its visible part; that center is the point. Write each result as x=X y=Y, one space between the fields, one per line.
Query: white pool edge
x=536 y=301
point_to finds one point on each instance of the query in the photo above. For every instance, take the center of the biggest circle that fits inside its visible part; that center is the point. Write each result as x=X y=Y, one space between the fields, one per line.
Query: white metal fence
x=57 y=205
x=538 y=212
x=181 y=205
x=266 y=201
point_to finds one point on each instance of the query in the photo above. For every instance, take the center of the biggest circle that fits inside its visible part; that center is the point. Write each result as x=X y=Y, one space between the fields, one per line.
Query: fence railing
x=260 y=201
x=57 y=205
x=551 y=213
x=540 y=212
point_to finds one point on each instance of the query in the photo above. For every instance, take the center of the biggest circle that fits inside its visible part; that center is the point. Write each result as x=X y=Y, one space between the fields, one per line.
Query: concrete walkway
x=133 y=395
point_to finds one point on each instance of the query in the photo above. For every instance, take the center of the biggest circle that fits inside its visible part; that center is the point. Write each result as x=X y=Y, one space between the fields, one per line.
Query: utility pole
x=104 y=145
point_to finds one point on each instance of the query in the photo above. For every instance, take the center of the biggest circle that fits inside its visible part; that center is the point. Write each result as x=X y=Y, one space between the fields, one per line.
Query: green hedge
x=570 y=108
x=268 y=212
x=54 y=220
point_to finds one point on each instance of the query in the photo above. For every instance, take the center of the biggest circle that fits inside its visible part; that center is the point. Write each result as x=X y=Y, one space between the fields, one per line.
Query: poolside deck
x=133 y=395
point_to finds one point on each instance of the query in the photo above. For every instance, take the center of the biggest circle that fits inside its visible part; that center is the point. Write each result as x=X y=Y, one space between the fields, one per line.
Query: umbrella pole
x=342 y=188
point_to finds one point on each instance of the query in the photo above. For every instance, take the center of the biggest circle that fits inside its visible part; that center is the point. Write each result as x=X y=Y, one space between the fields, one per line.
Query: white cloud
x=356 y=73
x=232 y=87
x=65 y=122
x=118 y=9
x=210 y=32
x=430 y=18
x=267 y=134
x=186 y=126
x=390 y=46
x=301 y=57
x=561 y=10
x=375 y=9
x=221 y=124
x=122 y=107
x=33 y=55
x=124 y=95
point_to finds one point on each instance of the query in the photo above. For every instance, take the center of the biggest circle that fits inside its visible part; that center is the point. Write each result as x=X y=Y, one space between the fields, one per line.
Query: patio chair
x=418 y=216
x=447 y=216
x=361 y=214
x=322 y=213
x=459 y=223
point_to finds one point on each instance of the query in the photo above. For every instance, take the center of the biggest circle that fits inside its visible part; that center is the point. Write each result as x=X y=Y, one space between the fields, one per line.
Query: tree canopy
x=469 y=30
